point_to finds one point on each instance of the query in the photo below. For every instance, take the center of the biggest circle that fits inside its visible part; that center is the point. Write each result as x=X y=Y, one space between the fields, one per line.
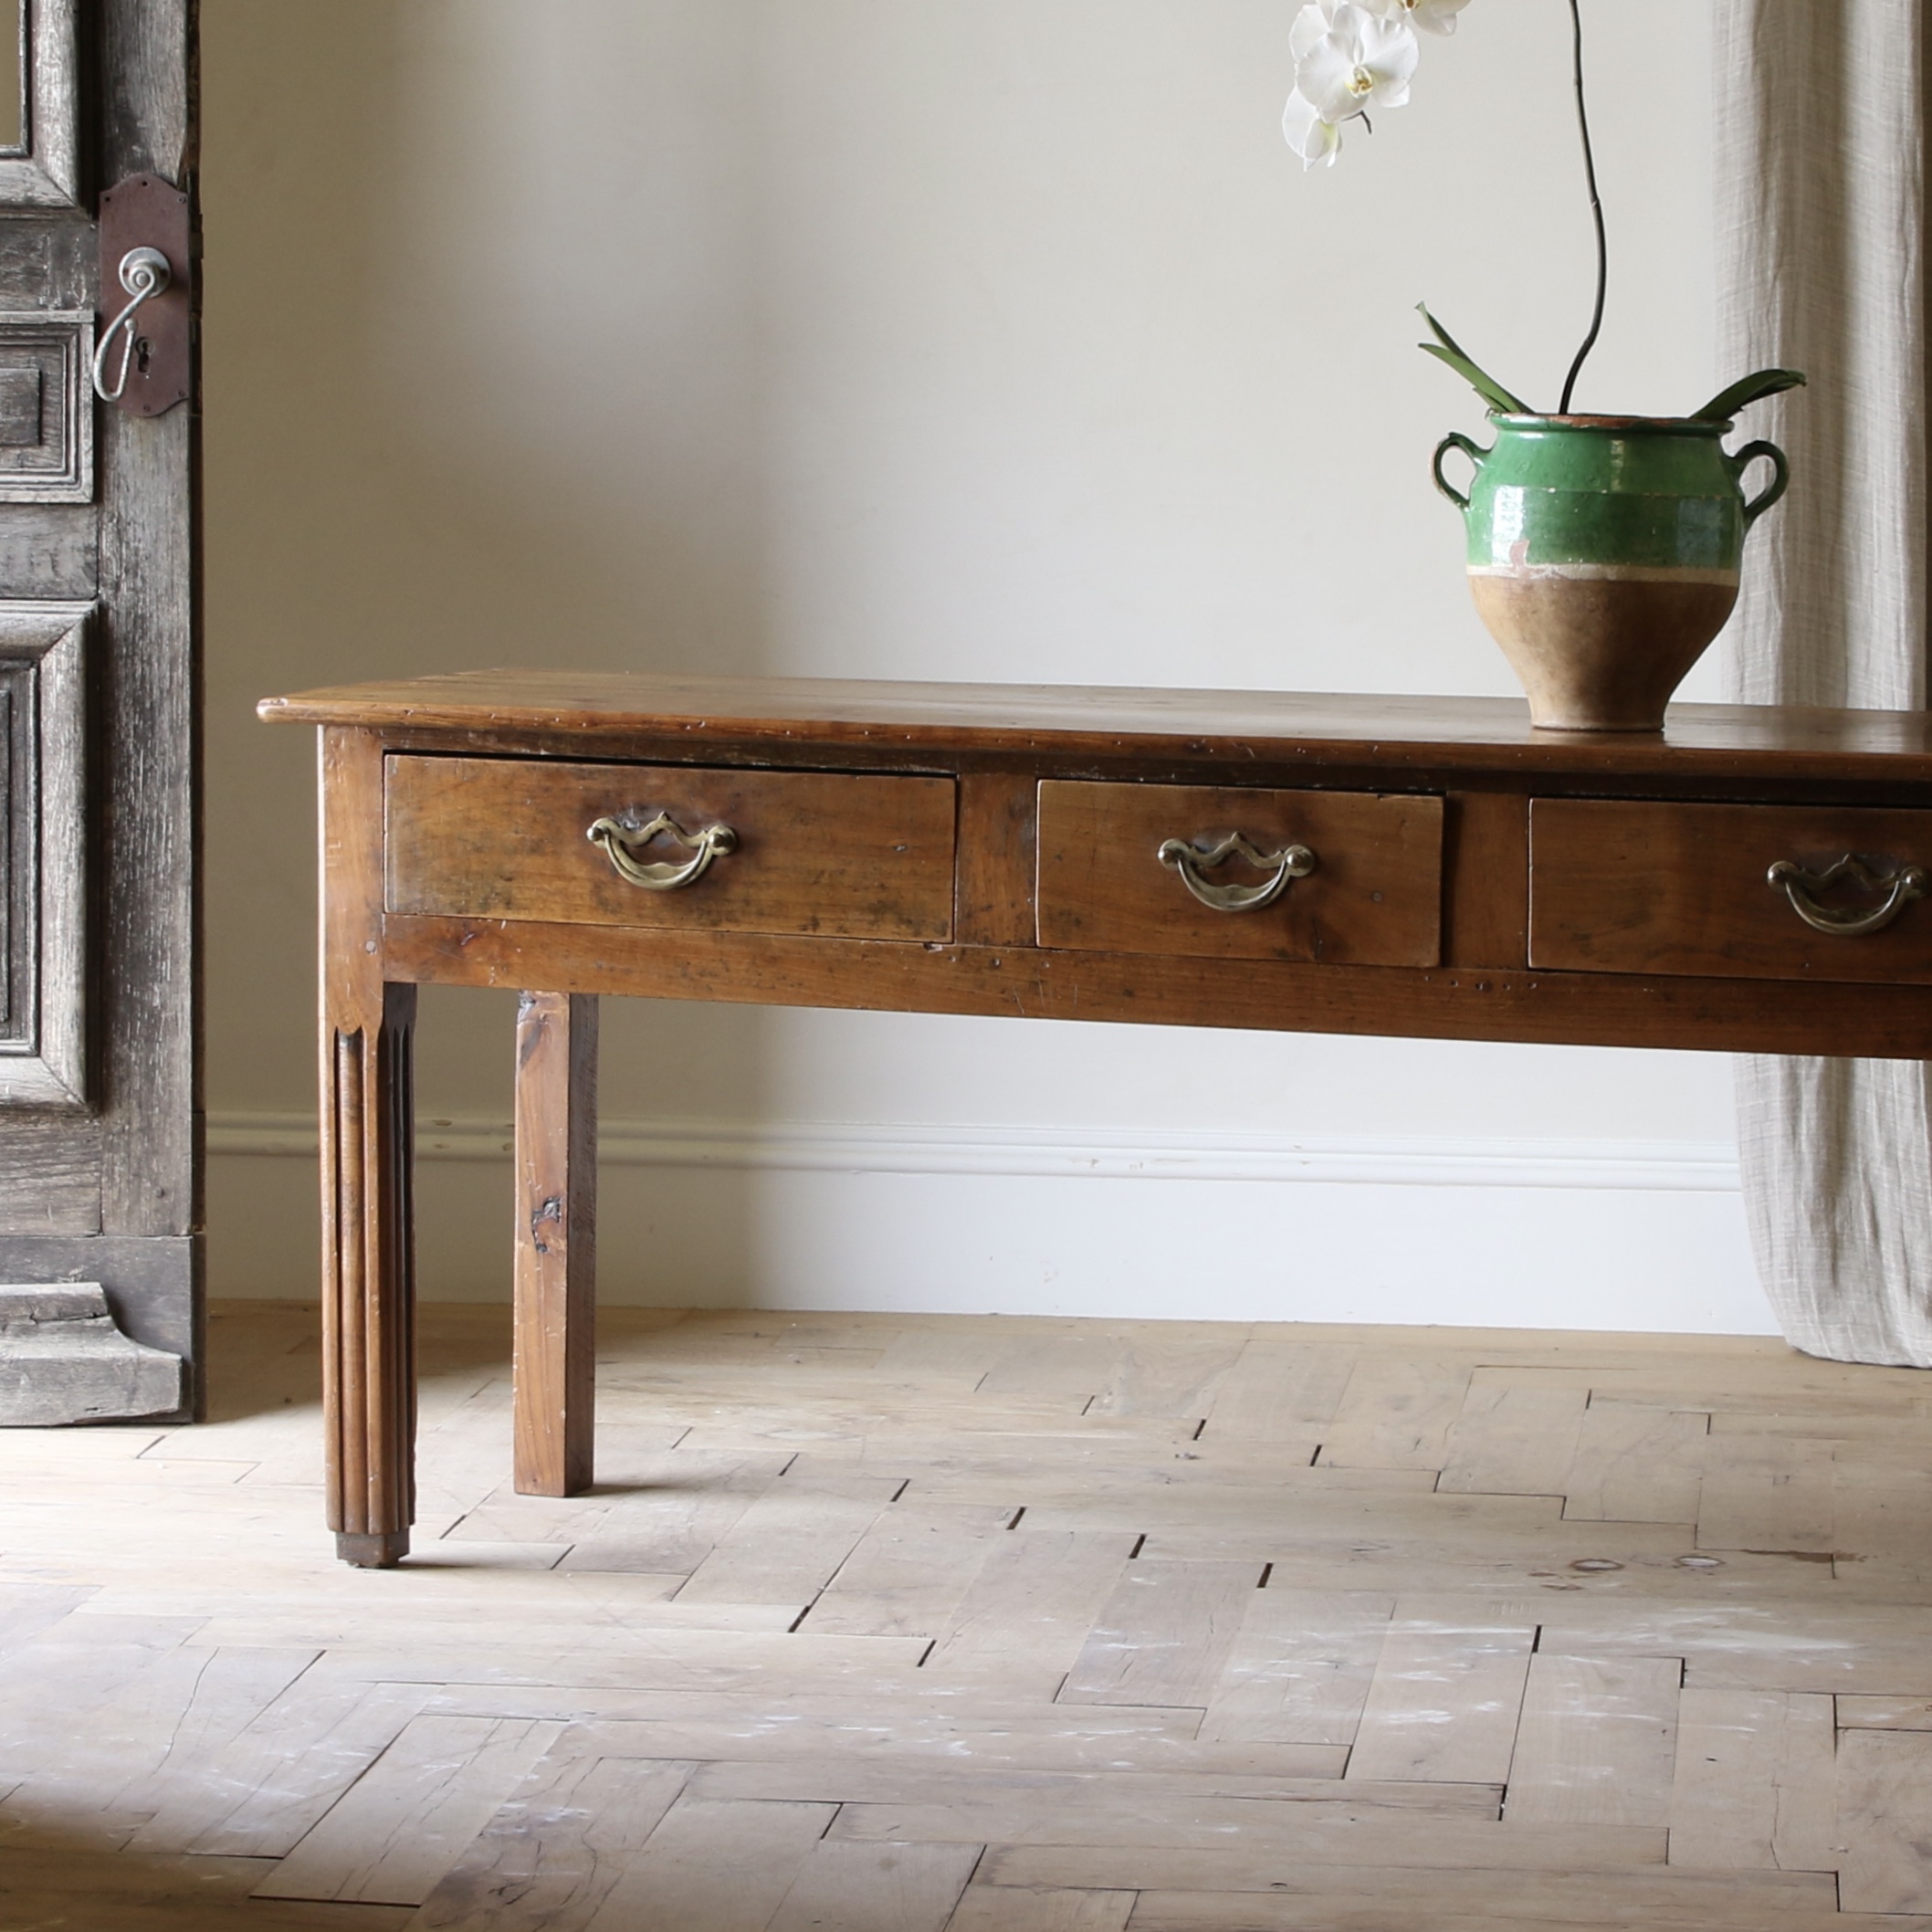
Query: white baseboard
x=1072 y=1153
x=699 y=1213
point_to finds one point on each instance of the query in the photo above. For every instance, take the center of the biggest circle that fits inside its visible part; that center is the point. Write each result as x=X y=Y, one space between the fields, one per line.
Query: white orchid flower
x=1317 y=142
x=1310 y=24
x=1433 y=17
x=1361 y=61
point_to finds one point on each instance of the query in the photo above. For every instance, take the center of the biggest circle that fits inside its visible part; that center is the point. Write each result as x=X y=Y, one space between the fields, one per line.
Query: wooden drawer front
x=1683 y=888
x=1374 y=898
x=848 y=856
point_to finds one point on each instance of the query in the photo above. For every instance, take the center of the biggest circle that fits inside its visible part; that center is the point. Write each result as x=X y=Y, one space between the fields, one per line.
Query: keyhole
x=144 y=348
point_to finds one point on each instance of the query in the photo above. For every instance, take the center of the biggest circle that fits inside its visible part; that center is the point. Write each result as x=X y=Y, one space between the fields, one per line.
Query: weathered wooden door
x=100 y=1160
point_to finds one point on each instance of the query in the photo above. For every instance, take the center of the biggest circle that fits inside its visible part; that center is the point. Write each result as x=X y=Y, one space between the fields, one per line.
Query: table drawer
x=1686 y=888
x=847 y=855
x=1371 y=895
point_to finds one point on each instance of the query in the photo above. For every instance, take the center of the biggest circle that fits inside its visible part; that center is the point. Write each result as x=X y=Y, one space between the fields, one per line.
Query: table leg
x=556 y=1247
x=369 y=1381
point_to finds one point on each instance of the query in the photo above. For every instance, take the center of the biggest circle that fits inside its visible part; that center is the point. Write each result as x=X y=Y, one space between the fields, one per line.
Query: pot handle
x=1455 y=440
x=1780 y=479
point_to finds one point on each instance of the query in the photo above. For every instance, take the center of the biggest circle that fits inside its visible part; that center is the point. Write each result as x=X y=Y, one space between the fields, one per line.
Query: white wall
x=982 y=339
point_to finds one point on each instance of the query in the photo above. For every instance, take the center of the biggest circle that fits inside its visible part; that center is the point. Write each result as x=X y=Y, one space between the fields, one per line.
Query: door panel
x=43 y=960
x=99 y=1156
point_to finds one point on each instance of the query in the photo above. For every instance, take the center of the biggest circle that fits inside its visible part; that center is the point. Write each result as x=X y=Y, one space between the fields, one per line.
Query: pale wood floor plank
x=1621 y=1894
x=1879 y=1518
x=35 y=1907
x=1171 y=1374
x=1885 y=1714
x=1444 y=1704
x=1030 y=1606
x=1203 y=1491
x=948 y=1728
x=1165 y=1635
x=161 y=1744
x=942 y=1357
x=1636 y=1465
x=28 y=1609
x=1016 y=1909
x=1237 y=1911
x=1300 y=1668
x=1609 y=1567
x=108 y=1761
x=910 y=1571
x=548 y=1859
x=1281 y=1391
x=883 y=1782
x=1885 y=1821
x=1397 y=1412
x=273 y=1781
x=1513 y=1441
x=1255 y=1828
x=1596 y=1742
x=1766 y=1492
x=1755 y=1782
x=786 y=1547
x=407 y=1820
x=860 y=1887
x=715 y=1866
x=606 y=1655
x=666 y=1510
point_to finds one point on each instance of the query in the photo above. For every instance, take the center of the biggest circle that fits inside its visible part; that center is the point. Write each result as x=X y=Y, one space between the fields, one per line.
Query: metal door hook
x=144 y=274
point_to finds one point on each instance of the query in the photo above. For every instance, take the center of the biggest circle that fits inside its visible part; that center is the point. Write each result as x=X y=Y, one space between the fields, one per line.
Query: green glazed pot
x=1604 y=555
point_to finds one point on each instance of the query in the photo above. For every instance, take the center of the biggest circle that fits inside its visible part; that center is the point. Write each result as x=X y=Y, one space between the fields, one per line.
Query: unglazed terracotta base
x=1600 y=650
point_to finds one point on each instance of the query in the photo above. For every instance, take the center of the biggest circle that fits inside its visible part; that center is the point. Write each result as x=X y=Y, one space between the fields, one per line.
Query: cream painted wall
x=959 y=339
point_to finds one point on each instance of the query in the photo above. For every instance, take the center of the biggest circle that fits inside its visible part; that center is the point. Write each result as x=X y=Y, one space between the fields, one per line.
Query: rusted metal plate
x=146 y=211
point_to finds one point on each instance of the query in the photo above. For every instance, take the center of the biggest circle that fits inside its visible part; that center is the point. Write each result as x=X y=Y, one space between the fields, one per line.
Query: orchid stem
x=1596 y=209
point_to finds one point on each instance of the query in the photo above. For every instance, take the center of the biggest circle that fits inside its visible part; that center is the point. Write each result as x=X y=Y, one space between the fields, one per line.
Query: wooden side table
x=1748 y=879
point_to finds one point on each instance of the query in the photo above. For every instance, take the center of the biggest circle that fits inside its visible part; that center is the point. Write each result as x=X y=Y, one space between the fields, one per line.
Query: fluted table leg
x=369 y=1289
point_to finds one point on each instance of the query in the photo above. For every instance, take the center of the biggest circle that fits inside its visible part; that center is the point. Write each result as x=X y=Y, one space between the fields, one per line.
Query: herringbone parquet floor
x=899 y=1624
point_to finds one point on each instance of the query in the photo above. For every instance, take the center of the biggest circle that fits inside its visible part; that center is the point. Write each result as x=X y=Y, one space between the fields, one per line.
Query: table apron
x=1593 y=1009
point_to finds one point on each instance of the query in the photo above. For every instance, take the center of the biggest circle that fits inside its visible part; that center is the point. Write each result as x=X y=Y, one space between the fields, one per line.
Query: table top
x=1271 y=727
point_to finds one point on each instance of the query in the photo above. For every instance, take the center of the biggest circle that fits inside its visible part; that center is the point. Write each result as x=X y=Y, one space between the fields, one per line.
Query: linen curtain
x=1821 y=115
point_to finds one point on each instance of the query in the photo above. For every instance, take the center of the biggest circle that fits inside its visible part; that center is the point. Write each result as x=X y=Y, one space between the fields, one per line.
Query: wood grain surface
x=1683 y=888
x=108 y=850
x=555 y=1244
x=1248 y=727
x=1374 y=898
x=843 y=853
x=1486 y=880
x=1740 y=1015
x=366 y=1043
x=999 y=839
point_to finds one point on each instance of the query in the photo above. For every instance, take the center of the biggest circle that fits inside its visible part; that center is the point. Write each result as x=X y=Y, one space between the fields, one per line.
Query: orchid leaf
x=1439 y=332
x=1751 y=389
x=1446 y=349
x=1491 y=391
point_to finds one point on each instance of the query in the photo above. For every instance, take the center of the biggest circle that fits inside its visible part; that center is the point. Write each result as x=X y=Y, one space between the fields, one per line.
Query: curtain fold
x=1821 y=111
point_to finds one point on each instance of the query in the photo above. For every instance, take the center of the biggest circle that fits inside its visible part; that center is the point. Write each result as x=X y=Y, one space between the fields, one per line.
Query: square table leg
x=556 y=1243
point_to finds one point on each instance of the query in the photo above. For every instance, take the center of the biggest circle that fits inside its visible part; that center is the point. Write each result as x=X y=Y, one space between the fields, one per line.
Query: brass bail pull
x=1291 y=862
x=1900 y=885
x=622 y=842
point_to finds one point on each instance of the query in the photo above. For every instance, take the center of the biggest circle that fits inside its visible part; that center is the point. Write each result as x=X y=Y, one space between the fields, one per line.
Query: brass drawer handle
x=1900 y=887
x=1291 y=862
x=621 y=844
